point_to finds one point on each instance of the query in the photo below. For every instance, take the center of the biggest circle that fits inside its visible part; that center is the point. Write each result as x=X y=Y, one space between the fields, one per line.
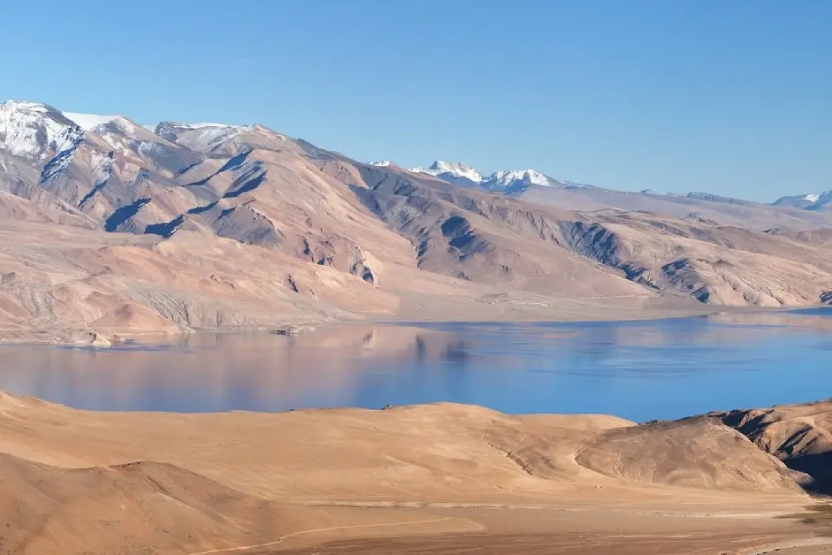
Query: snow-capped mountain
x=811 y=201
x=35 y=131
x=507 y=182
x=43 y=135
x=451 y=171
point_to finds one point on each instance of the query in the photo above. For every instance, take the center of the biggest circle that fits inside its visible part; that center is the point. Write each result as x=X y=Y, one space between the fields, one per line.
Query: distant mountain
x=511 y=182
x=718 y=198
x=813 y=201
x=536 y=187
x=453 y=172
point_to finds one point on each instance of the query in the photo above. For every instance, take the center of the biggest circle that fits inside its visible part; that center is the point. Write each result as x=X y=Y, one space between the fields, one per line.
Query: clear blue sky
x=726 y=96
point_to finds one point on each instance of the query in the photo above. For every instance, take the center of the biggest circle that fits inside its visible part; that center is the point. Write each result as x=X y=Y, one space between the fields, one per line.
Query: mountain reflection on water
x=639 y=370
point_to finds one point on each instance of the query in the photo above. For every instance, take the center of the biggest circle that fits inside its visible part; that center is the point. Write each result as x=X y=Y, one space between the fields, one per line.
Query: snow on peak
x=503 y=179
x=36 y=131
x=25 y=105
x=454 y=169
x=508 y=181
x=88 y=121
x=809 y=201
x=381 y=163
x=204 y=125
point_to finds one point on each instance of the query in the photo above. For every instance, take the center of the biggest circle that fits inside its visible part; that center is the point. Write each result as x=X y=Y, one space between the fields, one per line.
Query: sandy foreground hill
x=440 y=478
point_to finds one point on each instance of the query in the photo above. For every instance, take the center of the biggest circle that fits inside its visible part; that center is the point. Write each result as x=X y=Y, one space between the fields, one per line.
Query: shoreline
x=102 y=339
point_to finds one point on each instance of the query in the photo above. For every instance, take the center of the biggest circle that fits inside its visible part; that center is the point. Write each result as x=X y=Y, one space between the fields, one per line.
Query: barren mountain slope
x=486 y=238
x=75 y=285
x=246 y=183
x=480 y=237
x=715 y=264
x=45 y=210
x=304 y=233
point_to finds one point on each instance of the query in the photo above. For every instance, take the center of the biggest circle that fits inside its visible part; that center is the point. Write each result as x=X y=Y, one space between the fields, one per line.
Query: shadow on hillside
x=819 y=467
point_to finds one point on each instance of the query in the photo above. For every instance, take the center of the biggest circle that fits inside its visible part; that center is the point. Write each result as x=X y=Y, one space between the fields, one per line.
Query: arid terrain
x=110 y=230
x=438 y=478
x=427 y=277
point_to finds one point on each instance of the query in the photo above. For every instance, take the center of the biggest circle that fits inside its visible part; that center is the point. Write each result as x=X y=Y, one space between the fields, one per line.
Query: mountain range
x=518 y=182
x=113 y=229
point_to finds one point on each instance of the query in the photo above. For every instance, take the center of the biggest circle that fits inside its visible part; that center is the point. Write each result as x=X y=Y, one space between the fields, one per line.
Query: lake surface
x=638 y=370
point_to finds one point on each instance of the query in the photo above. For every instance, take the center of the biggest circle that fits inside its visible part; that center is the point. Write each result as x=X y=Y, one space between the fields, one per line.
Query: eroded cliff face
x=798 y=435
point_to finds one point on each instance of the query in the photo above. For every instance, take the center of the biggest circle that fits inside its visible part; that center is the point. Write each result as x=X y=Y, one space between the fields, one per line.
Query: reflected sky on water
x=638 y=370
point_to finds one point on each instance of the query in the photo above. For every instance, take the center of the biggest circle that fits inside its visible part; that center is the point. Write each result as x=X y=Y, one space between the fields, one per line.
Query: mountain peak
x=34 y=130
x=88 y=122
x=810 y=201
x=201 y=137
x=530 y=177
x=27 y=106
x=814 y=197
x=206 y=125
x=457 y=170
x=506 y=181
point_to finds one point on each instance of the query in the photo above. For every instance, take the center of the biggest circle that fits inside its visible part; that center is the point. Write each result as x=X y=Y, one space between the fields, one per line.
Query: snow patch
x=811 y=201
x=102 y=167
x=150 y=149
x=382 y=163
x=204 y=125
x=88 y=121
x=36 y=107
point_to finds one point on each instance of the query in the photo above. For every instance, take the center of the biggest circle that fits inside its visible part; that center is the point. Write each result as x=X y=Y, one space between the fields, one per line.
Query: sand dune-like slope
x=149 y=507
x=302 y=478
x=114 y=509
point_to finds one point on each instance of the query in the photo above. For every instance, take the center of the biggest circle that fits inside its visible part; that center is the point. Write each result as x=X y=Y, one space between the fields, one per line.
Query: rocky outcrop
x=798 y=435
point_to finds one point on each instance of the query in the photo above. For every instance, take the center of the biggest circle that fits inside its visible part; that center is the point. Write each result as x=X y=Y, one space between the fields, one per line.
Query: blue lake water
x=638 y=370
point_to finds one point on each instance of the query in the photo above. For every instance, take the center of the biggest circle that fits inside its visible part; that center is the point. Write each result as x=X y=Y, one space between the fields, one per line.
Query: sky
x=731 y=97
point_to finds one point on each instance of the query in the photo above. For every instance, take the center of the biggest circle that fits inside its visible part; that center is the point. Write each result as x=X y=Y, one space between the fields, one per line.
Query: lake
x=638 y=370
